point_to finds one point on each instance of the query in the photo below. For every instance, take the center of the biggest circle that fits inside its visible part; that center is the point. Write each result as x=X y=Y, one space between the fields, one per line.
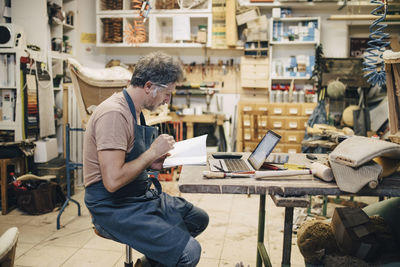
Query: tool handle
x=213 y=175
x=262 y=174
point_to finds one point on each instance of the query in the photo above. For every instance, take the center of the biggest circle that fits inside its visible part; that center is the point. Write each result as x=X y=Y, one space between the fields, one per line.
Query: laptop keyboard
x=236 y=165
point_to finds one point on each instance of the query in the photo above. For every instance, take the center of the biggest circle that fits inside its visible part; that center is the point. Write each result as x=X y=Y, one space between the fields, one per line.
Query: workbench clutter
x=354 y=237
x=221 y=76
x=37 y=195
x=360 y=161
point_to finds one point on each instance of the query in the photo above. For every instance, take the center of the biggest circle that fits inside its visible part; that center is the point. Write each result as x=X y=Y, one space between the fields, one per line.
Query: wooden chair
x=8 y=246
x=90 y=92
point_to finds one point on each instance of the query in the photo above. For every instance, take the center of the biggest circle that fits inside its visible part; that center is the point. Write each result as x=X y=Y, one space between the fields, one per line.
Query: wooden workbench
x=190 y=120
x=191 y=180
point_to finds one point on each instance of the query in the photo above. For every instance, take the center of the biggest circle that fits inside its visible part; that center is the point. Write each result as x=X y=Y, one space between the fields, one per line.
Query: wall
x=88 y=54
x=32 y=16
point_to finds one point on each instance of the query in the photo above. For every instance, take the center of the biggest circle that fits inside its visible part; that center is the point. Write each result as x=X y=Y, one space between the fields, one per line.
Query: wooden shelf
x=293 y=43
x=290 y=78
x=363 y=17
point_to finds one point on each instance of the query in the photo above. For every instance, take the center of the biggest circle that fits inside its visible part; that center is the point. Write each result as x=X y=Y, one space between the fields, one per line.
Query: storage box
x=276 y=122
x=279 y=148
x=294 y=137
x=293 y=109
x=307 y=108
x=45 y=150
x=293 y=123
x=277 y=109
x=354 y=232
x=58 y=168
x=292 y=148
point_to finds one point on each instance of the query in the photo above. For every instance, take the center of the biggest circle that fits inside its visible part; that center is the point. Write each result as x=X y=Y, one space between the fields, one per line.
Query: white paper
x=180 y=27
x=192 y=151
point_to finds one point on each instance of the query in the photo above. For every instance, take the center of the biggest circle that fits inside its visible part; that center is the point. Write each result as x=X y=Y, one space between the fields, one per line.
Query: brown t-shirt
x=109 y=127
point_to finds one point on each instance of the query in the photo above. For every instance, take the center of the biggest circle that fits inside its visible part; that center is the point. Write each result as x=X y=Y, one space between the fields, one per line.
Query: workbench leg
x=287 y=237
x=189 y=130
x=4 y=199
x=262 y=255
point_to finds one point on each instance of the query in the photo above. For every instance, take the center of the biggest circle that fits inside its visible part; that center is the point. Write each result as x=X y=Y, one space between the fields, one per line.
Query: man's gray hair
x=157 y=67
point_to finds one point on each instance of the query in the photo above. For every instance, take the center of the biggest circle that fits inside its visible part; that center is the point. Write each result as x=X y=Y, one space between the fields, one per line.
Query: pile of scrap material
x=352 y=238
x=329 y=135
x=315 y=240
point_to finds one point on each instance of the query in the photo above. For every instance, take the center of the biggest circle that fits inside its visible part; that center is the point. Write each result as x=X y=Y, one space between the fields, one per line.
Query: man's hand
x=158 y=163
x=162 y=144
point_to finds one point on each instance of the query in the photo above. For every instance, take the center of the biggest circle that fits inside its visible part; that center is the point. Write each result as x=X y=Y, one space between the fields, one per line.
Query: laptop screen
x=263 y=149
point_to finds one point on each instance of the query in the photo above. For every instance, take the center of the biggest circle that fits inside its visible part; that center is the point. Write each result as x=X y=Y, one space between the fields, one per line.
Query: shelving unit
x=113 y=26
x=287 y=119
x=292 y=50
x=66 y=32
x=11 y=119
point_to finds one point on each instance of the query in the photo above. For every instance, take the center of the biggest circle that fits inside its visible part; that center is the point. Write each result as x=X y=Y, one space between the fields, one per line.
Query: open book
x=188 y=152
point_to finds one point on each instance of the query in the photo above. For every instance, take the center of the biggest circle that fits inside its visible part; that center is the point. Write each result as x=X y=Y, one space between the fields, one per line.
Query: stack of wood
x=330 y=136
x=167 y=4
x=112 y=30
x=111 y=4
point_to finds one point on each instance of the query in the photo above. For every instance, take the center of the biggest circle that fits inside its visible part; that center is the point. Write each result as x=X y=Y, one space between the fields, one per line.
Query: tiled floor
x=229 y=239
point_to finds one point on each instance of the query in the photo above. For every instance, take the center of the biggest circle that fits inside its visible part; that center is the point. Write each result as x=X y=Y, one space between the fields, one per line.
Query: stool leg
x=128 y=256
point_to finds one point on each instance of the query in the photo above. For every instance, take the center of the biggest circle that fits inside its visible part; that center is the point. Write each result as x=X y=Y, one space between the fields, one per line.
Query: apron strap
x=132 y=109
x=156 y=184
x=142 y=119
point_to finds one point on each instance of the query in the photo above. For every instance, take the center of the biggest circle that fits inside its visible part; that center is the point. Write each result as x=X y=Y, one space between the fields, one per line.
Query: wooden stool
x=19 y=164
x=128 y=250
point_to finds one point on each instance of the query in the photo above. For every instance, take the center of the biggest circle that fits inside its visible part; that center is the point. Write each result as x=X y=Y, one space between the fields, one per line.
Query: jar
x=301 y=96
x=285 y=96
x=278 y=96
x=272 y=96
x=295 y=97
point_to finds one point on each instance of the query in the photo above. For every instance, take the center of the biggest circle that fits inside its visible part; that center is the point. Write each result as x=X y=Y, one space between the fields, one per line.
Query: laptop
x=253 y=162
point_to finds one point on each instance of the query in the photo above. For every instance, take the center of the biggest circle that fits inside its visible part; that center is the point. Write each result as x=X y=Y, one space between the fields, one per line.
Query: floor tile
x=70 y=237
x=205 y=262
x=35 y=234
x=22 y=248
x=229 y=239
x=97 y=242
x=93 y=258
x=48 y=255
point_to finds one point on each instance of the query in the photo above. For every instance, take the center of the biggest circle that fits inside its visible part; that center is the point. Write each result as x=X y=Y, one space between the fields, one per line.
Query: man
x=118 y=148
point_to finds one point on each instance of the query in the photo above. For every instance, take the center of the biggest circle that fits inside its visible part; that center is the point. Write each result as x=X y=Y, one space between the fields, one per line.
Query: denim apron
x=146 y=219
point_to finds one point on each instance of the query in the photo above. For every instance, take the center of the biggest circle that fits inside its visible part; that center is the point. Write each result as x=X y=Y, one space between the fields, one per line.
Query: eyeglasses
x=160 y=85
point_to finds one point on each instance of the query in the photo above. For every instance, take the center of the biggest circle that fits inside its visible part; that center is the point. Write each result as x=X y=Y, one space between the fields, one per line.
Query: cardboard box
x=292 y=148
x=307 y=108
x=277 y=109
x=45 y=150
x=293 y=137
x=354 y=233
x=279 y=148
x=293 y=109
x=276 y=122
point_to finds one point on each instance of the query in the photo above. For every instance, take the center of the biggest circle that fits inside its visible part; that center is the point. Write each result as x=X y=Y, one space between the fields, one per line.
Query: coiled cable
x=374 y=65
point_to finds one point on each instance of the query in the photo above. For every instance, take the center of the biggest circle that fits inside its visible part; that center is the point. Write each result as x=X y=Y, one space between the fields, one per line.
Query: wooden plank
x=230 y=23
x=363 y=17
x=393 y=121
x=280 y=201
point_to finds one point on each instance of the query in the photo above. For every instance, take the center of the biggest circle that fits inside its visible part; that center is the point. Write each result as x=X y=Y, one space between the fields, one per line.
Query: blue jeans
x=196 y=221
